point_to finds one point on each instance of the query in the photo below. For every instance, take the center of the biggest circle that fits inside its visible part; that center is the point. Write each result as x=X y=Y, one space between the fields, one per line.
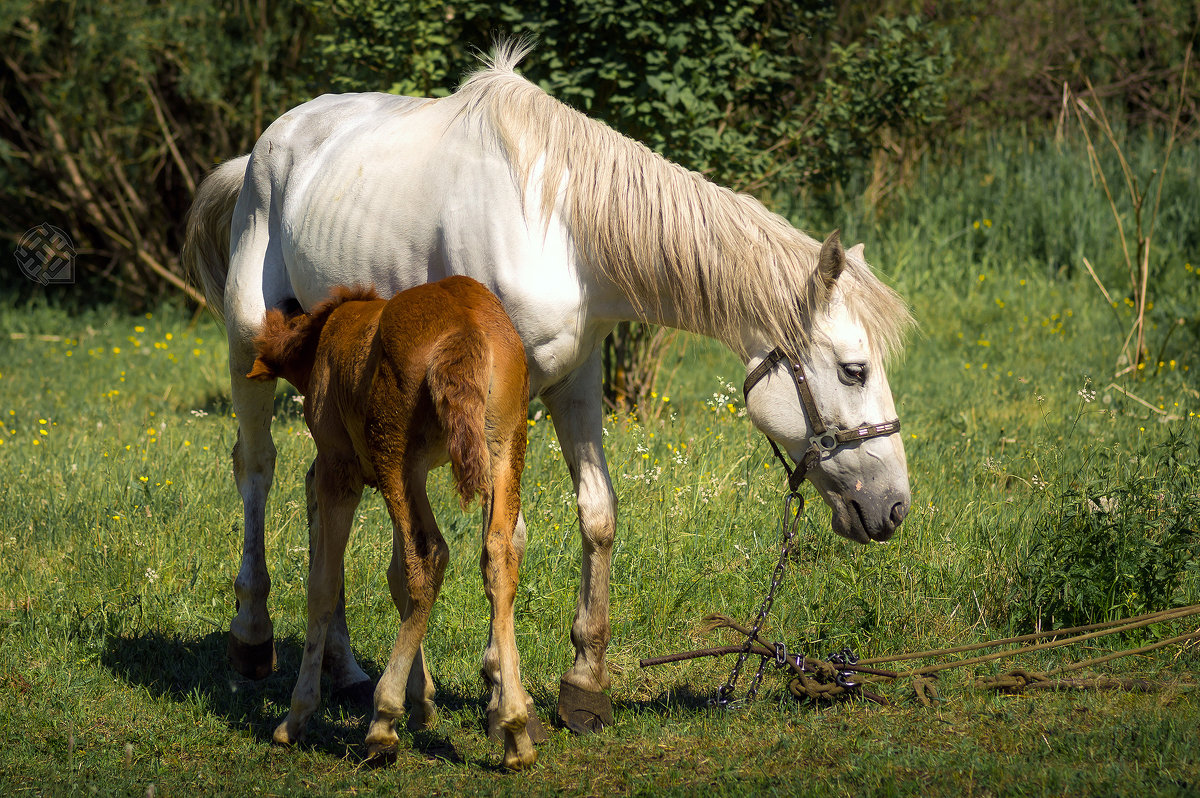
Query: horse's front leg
x=576 y=410
x=251 y=634
x=350 y=683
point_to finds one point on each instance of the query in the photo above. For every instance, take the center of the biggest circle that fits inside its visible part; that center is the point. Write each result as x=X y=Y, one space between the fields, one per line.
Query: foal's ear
x=832 y=260
x=261 y=371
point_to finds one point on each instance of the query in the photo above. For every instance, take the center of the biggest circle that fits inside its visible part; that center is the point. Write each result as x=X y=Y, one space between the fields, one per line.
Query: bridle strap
x=824 y=439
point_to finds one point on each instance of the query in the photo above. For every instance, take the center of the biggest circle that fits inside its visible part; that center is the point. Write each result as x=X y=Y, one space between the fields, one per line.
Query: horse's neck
x=658 y=300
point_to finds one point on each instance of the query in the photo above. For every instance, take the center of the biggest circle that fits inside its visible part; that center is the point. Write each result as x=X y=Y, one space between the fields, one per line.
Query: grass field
x=1043 y=495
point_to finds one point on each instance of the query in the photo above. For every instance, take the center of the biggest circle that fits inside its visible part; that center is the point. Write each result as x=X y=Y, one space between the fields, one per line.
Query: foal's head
x=287 y=343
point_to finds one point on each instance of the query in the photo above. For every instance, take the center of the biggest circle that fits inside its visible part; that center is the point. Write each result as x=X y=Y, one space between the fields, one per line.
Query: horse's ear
x=857 y=251
x=832 y=259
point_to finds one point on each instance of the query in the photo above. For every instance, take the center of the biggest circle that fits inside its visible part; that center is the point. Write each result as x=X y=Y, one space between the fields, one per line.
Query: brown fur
x=392 y=389
x=287 y=345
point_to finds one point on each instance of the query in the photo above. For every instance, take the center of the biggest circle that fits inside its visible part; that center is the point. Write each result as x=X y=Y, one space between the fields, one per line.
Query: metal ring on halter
x=827 y=441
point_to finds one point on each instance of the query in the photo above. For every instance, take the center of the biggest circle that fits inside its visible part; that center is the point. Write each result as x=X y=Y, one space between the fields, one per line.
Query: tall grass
x=1041 y=495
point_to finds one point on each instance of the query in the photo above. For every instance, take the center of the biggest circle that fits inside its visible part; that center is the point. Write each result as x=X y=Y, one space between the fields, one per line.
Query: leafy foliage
x=112 y=114
x=1118 y=546
x=1016 y=57
x=746 y=92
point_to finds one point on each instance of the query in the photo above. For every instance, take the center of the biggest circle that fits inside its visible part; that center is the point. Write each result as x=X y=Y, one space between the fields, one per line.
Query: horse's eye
x=853 y=373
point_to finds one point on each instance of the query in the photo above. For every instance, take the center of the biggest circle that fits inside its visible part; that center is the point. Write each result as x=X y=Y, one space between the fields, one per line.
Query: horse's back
x=395 y=192
x=305 y=130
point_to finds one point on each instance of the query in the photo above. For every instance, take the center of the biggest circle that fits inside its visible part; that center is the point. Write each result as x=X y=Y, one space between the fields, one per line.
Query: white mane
x=661 y=232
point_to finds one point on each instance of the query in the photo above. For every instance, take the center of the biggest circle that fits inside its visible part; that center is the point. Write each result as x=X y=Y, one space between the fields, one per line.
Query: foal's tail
x=205 y=252
x=459 y=373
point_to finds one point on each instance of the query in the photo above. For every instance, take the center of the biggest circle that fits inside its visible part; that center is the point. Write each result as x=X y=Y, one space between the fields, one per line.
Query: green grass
x=120 y=536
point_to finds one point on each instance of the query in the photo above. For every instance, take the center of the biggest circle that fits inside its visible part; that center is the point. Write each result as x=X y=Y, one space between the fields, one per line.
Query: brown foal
x=392 y=389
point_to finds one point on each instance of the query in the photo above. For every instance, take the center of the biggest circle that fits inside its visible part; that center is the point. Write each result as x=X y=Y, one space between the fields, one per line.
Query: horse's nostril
x=899 y=511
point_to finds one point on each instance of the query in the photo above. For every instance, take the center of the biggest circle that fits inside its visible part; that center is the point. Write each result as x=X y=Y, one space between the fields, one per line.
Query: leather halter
x=824 y=438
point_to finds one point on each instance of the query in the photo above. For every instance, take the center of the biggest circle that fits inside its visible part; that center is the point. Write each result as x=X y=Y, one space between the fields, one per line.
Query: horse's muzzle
x=866 y=519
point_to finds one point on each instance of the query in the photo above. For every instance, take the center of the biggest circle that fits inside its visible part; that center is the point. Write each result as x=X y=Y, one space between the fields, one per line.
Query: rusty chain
x=834 y=675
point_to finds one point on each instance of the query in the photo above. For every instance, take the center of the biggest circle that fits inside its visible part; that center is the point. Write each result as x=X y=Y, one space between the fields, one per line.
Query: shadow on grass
x=195 y=671
x=681 y=701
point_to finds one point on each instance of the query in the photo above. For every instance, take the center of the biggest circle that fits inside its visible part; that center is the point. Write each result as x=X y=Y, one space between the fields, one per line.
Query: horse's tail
x=206 y=244
x=459 y=373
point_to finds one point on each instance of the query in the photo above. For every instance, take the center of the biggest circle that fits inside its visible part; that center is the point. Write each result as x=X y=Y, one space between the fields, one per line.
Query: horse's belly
x=397 y=210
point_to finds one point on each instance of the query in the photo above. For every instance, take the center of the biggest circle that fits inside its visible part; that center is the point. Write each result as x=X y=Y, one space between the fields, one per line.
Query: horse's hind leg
x=510 y=706
x=251 y=633
x=339 y=490
x=419 y=557
x=255 y=281
x=350 y=682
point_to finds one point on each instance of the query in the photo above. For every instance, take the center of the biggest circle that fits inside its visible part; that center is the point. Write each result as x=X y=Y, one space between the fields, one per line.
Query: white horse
x=575 y=228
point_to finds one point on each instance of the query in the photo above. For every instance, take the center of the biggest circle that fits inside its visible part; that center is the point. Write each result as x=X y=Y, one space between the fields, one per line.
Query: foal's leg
x=419 y=557
x=500 y=562
x=576 y=410
x=350 y=682
x=339 y=489
x=419 y=690
x=491 y=661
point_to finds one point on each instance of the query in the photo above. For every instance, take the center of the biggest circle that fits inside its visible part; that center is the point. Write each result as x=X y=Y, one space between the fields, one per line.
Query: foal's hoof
x=360 y=695
x=583 y=711
x=422 y=716
x=520 y=758
x=252 y=660
x=533 y=727
x=286 y=736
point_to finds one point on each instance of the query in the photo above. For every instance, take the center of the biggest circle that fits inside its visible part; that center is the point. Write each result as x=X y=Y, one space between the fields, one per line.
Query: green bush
x=749 y=92
x=1120 y=540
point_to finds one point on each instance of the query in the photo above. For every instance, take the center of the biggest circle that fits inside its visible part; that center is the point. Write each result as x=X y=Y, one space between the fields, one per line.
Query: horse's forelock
x=881 y=311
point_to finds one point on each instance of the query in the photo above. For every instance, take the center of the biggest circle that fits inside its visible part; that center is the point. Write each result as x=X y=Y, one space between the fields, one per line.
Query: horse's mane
x=287 y=343
x=667 y=235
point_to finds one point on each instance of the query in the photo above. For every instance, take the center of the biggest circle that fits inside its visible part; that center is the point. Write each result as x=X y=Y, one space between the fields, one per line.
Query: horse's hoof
x=254 y=661
x=533 y=727
x=360 y=695
x=583 y=711
x=380 y=755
